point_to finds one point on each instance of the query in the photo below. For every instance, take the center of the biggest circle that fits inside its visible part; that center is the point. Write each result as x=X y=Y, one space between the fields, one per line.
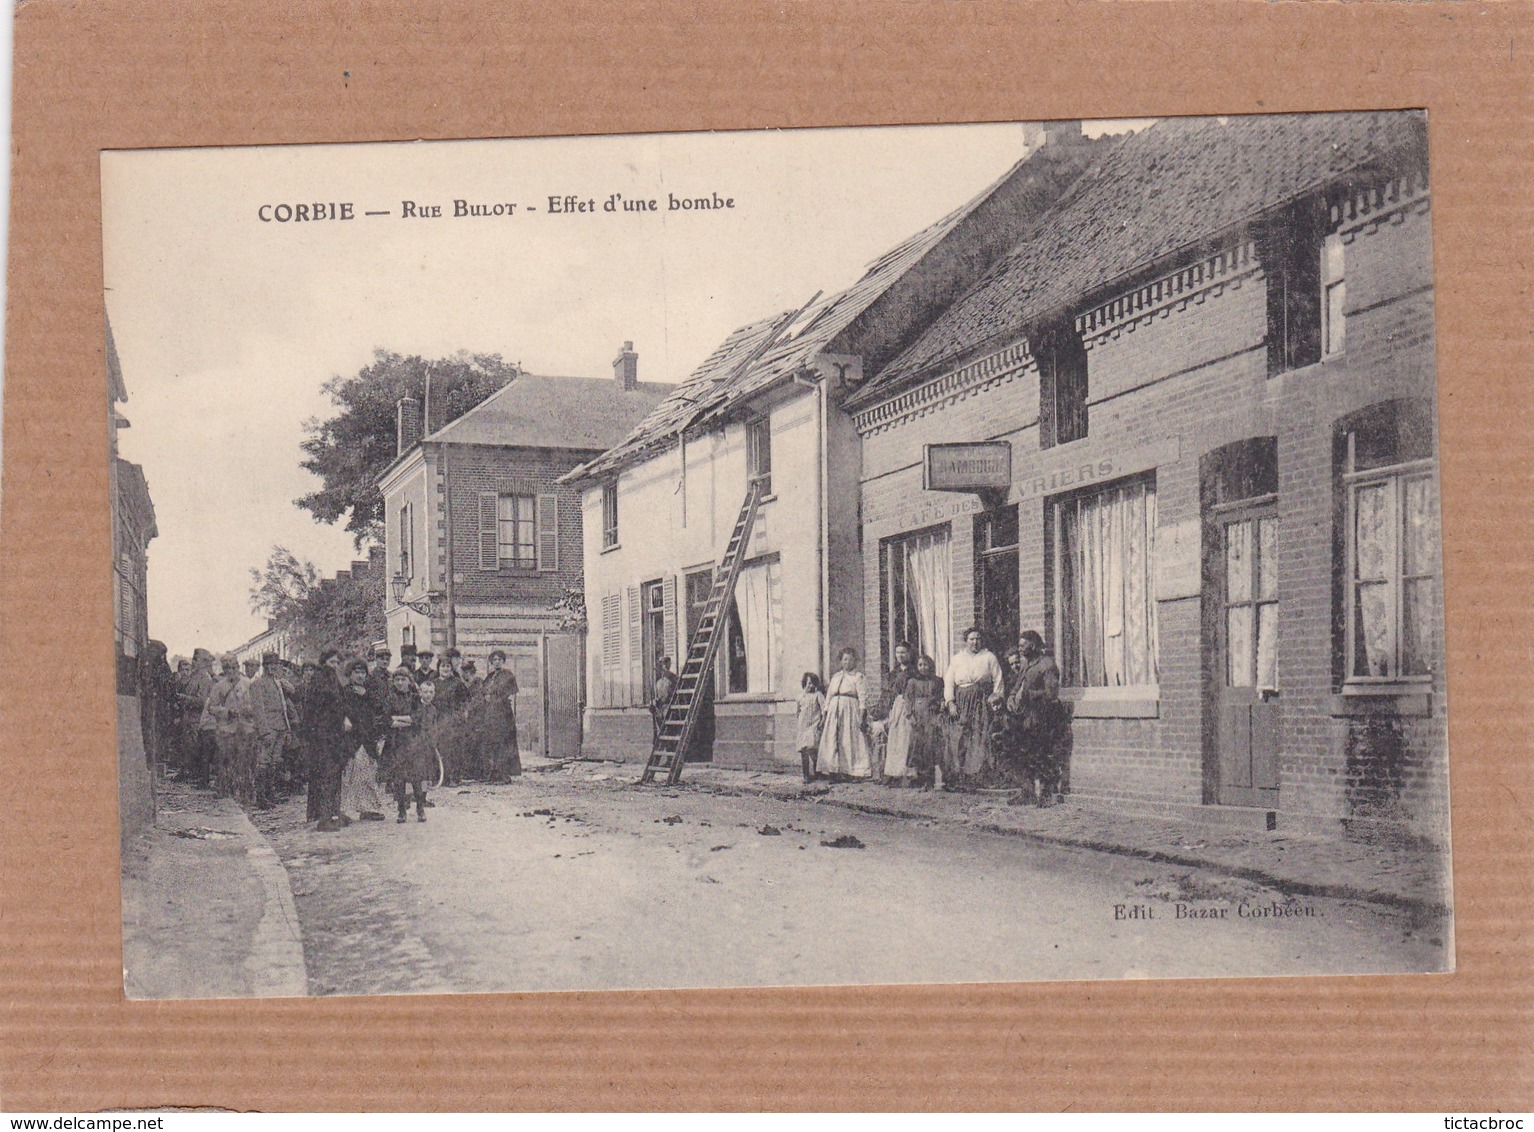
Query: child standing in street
x=405 y=750
x=812 y=714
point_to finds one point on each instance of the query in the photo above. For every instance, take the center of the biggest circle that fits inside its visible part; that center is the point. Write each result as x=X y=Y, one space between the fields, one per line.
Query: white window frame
x=1333 y=286
x=517 y=523
x=1396 y=476
x=1103 y=692
x=609 y=514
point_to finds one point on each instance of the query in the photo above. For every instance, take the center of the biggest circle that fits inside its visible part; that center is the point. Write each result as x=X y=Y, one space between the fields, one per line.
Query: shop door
x=1248 y=708
x=700 y=748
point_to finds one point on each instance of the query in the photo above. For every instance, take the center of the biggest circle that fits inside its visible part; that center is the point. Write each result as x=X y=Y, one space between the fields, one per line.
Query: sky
x=227 y=325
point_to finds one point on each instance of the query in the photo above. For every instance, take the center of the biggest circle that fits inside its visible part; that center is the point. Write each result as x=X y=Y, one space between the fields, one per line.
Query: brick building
x=486 y=540
x=1211 y=371
x=660 y=506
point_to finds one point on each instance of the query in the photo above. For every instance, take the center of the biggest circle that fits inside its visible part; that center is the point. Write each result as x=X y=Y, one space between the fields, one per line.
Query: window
x=917 y=595
x=515 y=531
x=1333 y=296
x=609 y=515
x=1291 y=249
x=653 y=599
x=753 y=632
x=1392 y=548
x=406 y=543
x=1105 y=563
x=1251 y=601
x=1062 y=362
x=759 y=452
x=518 y=531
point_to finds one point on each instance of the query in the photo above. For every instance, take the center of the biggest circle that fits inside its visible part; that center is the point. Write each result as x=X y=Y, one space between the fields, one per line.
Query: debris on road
x=717 y=848
x=770 y=831
x=202 y=833
x=674 y=819
x=845 y=841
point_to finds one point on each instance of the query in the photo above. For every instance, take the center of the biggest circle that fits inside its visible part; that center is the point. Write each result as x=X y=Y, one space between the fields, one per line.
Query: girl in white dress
x=843 y=744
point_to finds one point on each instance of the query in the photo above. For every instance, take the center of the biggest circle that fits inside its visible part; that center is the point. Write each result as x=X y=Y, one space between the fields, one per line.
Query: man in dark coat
x=201 y=729
x=324 y=723
x=380 y=672
x=498 y=722
x=365 y=726
x=272 y=716
x=457 y=732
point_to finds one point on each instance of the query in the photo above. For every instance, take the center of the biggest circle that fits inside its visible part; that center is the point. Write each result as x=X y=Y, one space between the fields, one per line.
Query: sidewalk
x=207 y=910
x=1413 y=878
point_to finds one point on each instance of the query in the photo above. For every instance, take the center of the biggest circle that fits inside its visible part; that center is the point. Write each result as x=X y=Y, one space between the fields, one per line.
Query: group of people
x=977 y=725
x=346 y=730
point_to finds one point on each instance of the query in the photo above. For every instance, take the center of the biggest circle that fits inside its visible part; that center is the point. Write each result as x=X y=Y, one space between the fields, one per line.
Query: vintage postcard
x=781 y=558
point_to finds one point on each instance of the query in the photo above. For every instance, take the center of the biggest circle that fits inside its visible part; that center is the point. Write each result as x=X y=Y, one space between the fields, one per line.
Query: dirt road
x=579 y=880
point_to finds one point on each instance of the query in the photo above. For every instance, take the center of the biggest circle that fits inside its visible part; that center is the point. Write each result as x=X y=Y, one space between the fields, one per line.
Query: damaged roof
x=760 y=354
x=1156 y=194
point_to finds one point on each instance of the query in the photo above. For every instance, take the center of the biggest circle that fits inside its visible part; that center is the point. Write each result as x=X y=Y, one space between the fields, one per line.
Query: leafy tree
x=349 y=450
x=345 y=612
x=571 y=607
x=279 y=589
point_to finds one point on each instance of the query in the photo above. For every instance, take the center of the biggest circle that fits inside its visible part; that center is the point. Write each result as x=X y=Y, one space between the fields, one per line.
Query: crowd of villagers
x=977 y=725
x=347 y=731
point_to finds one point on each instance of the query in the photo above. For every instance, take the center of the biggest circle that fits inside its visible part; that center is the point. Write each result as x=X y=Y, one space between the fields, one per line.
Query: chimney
x=626 y=367
x=376 y=560
x=1062 y=133
x=407 y=428
x=1037 y=135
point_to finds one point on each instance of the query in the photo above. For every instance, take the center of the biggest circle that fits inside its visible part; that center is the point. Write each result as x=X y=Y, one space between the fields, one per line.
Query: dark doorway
x=700 y=748
x=996 y=578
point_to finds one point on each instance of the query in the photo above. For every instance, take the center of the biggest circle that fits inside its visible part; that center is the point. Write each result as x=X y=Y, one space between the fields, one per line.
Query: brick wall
x=469 y=470
x=1190 y=378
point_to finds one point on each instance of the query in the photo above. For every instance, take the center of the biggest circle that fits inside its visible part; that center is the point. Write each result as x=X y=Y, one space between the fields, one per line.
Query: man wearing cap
x=201 y=728
x=272 y=717
x=379 y=672
x=228 y=708
x=425 y=664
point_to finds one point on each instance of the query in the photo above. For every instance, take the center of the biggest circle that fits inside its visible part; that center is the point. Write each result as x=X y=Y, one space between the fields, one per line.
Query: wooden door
x=562 y=695
x=1247 y=663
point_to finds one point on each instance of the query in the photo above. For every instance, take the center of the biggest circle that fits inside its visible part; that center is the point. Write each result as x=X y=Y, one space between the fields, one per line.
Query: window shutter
x=674 y=645
x=548 y=532
x=489 y=551
x=636 y=649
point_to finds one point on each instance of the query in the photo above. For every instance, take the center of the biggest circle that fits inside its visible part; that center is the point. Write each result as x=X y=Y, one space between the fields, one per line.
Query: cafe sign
x=967 y=467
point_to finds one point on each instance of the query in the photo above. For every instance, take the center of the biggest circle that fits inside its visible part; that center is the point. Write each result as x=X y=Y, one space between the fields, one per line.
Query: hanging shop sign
x=967 y=467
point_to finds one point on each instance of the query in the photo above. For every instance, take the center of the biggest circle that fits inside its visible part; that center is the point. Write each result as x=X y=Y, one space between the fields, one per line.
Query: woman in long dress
x=972 y=687
x=923 y=710
x=897 y=724
x=843 y=744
